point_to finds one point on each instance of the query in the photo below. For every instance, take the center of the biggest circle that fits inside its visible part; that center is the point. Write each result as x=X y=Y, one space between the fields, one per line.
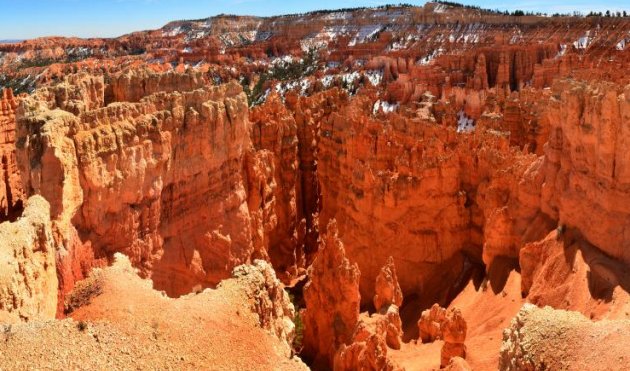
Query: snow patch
x=366 y=33
x=338 y=16
x=440 y=8
x=429 y=58
x=464 y=123
x=301 y=85
x=375 y=77
x=172 y=33
x=562 y=51
x=385 y=107
x=350 y=78
x=327 y=81
x=584 y=41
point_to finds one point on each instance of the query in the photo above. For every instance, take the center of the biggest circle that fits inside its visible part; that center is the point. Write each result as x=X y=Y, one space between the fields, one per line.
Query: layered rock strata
x=161 y=180
x=11 y=193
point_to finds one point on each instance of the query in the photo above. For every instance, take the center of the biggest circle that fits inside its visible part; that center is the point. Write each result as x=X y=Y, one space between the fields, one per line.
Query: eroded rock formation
x=28 y=275
x=454 y=333
x=387 y=289
x=11 y=194
x=332 y=300
x=430 y=324
x=138 y=177
x=557 y=339
x=119 y=319
x=273 y=185
x=376 y=334
x=369 y=354
x=269 y=300
x=587 y=170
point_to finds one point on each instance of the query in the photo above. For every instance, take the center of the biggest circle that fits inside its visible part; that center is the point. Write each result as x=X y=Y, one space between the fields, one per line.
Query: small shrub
x=299 y=327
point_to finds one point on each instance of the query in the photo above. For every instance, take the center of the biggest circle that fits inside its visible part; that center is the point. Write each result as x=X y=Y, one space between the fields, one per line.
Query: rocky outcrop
x=376 y=334
x=370 y=354
x=429 y=193
x=430 y=324
x=438 y=323
x=119 y=319
x=28 y=278
x=273 y=197
x=140 y=178
x=11 y=193
x=387 y=288
x=332 y=301
x=454 y=333
x=133 y=85
x=269 y=300
x=309 y=113
x=586 y=169
x=565 y=271
x=560 y=340
x=371 y=180
x=387 y=302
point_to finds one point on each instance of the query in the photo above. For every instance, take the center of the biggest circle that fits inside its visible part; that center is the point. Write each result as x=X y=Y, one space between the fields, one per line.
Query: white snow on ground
x=338 y=16
x=283 y=87
x=384 y=106
x=464 y=123
x=174 y=32
x=397 y=45
x=285 y=61
x=471 y=38
x=583 y=42
x=562 y=51
x=365 y=33
x=470 y=34
x=196 y=35
x=517 y=37
x=427 y=60
x=327 y=81
x=375 y=77
x=263 y=98
x=333 y=32
x=440 y=8
x=350 y=78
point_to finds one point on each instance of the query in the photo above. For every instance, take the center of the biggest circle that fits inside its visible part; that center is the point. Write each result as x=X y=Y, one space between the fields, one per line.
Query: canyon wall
x=435 y=198
x=160 y=180
x=28 y=275
x=587 y=169
x=273 y=177
x=11 y=194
